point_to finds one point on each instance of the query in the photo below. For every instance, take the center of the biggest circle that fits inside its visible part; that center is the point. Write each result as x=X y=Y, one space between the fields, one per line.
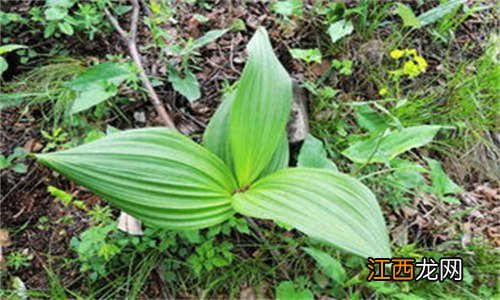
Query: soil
x=25 y=199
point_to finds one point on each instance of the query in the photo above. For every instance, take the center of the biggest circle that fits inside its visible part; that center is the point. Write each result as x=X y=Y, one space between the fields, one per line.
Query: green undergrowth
x=359 y=97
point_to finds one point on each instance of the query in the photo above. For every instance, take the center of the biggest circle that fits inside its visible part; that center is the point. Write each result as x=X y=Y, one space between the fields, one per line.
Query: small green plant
x=6 y=49
x=182 y=77
x=344 y=67
x=103 y=248
x=19 y=259
x=67 y=16
x=14 y=161
x=288 y=8
x=209 y=256
x=65 y=198
x=56 y=139
x=307 y=55
x=291 y=290
x=168 y=181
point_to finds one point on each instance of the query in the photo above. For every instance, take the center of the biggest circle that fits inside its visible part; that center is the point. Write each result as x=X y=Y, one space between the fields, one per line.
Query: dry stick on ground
x=125 y=221
x=129 y=38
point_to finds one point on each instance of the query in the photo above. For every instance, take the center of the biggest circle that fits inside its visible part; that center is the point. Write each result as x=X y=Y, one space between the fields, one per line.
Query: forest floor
x=58 y=240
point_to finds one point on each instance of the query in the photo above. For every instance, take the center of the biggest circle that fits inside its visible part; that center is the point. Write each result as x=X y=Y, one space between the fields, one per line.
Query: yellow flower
x=421 y=63
x=411 y=69
x=396 y=53
x=383 y=91
x=409 y=52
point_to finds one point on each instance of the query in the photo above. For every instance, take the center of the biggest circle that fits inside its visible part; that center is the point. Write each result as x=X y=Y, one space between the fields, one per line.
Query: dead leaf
x=247 y=293
x=129 y=224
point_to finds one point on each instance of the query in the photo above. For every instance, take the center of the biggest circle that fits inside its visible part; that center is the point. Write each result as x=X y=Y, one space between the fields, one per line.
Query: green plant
x=12 y=161
x=340 y=29
x=289 y=290
x=168 y=181
x=182 y=78
x=43 y=87
x=6 y=49
x=307 y=55
x=344 y=67
x=56 y=139
x=19 y=259
x=97 y=84
x=103 y=248
x=65 y=198
x=209 y=256
x=288 y=8
x=67 y=16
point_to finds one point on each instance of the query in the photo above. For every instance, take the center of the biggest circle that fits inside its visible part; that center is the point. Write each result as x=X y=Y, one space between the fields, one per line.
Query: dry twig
x=130 y=40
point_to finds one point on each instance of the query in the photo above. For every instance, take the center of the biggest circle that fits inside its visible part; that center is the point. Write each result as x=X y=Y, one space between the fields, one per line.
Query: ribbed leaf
x=260 y=111
x=384 y=148
x=156 y=175
x=324 y=204
x=216 y=135
x=216 y=139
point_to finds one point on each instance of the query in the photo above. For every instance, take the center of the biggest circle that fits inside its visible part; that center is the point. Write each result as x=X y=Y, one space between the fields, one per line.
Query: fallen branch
x=129 y=38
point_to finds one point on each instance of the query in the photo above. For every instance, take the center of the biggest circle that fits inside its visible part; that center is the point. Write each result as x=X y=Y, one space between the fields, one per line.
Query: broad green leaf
x=5 y=49
x=20 y=168
x=104 y=72
x=331 y=266
x=280 y=159
x=442 y=184
x=408 y=174
x=313 y=155
x=10 y=47
x=187 y=86
x=55 y=13
x=409 y=18
x=307 y=55
x=286 y=291
x=61 y=3
x=96 y=94
x=96 y=85
x=216 y=135
x=66 y=28
x=384 y=147
x=4 y=162
x=156 y=175
x=260 y=110
x=207 y=38
x=370 y=120
x=324 y=204
x=288 y=8
x=439 y=12
x=216 y=139
x=340 y=29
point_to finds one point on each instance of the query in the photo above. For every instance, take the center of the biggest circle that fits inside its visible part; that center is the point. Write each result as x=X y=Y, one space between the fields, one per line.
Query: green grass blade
x=324 y=204
x=156 y=175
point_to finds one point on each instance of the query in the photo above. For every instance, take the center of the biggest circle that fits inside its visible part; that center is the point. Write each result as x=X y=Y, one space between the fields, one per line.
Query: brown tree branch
x=129 y=39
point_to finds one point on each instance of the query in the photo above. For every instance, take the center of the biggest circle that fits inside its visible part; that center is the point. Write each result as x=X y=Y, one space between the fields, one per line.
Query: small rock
x=139 y=116
x=298 y=126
